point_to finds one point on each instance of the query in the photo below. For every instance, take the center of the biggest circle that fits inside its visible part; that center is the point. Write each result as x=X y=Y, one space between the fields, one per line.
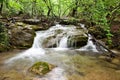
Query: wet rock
x=49 y=42
x=41 y=68
x=21 y=36
x=52 y=41
x=77 y=41
x=33 y=27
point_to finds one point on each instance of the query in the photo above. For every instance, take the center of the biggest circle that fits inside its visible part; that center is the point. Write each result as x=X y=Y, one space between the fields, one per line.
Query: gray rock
x=21 y=36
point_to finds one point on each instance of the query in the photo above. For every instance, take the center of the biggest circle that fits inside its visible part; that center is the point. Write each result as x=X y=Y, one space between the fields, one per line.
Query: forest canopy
x=76 y=8
x=99 y=12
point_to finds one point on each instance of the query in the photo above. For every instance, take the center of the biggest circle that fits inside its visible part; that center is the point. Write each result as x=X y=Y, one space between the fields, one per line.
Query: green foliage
x=1 y=1
x=3 y=38
x=101 y=12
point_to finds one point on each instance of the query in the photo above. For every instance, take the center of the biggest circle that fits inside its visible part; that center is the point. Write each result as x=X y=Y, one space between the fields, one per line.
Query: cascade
x=52 y=46
x=55 y=37
x=90 y=46
x=63 y=42
x=42 y=49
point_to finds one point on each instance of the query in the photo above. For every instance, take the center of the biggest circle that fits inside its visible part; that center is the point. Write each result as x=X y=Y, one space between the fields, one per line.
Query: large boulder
x=21 y=36
x=53 y=39
x=77 y=38
x=41 y=68
x=77 y=41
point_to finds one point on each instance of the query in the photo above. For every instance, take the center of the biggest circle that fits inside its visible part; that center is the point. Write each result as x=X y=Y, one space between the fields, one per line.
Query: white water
x=59 y=35
x=63 y=42
x=90 y=46
x=38 y=50
x=55 y=35
x=55 y=74
x=83 y=26
x=38 y=39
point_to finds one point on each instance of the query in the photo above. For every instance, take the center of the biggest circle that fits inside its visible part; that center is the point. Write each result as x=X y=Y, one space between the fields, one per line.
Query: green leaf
x=1 y=1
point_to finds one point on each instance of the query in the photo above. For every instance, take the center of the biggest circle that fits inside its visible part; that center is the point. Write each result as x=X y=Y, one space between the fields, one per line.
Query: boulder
x=52 y=40
x=21 y=36
x=77 y=41
x=49 y=42
x=41 y=68
x=33 y=27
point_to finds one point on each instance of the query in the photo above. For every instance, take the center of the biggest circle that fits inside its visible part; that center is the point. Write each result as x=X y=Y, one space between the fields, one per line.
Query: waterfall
x=38 y=39
x=90 y=46
x=55 y=37
x=49 y=46
x=63 y=42
x=83 y=26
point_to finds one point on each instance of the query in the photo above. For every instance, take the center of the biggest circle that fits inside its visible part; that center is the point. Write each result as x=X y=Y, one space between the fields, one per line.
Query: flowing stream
x=51 y=46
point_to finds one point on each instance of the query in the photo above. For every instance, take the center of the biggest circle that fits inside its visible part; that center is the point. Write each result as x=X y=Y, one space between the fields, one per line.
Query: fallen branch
x=100 y=47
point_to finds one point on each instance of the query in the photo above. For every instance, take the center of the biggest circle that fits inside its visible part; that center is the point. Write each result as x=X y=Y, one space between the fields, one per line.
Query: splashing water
x=90 y=46
x=63 y=42
x=55 y=36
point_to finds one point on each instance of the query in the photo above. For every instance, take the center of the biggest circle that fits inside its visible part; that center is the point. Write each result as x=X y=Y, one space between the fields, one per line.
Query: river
x=51 y=46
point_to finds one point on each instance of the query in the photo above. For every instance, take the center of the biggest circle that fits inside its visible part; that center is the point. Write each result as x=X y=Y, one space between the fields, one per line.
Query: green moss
x=41 y=68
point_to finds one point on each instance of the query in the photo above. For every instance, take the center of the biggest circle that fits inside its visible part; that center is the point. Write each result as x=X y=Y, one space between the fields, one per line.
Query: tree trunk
x=49 y=11
x=1 y=6
x=74 y=10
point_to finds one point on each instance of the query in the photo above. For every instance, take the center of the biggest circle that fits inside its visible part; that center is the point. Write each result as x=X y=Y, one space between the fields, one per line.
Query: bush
x=4 y=41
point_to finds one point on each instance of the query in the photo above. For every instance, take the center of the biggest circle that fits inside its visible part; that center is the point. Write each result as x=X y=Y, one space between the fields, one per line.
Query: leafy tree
x=100 y=12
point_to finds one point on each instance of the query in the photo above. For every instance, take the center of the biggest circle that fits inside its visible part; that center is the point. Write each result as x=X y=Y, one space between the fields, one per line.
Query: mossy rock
x=41 y=68
x=77 y=41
